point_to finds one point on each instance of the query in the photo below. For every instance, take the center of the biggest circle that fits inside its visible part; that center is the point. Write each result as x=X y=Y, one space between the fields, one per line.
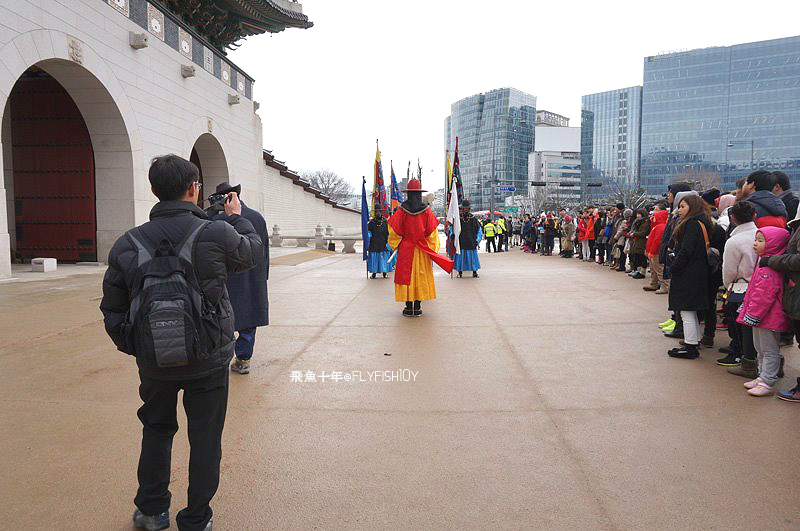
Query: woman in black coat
x=688 y=292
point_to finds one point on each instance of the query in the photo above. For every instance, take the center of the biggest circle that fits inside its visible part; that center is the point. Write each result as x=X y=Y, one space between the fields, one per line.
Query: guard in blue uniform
x=378 y=251
x=471 y=236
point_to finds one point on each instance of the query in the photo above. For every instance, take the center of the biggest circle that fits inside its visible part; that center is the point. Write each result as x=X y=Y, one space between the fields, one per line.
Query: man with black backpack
x=165 y=302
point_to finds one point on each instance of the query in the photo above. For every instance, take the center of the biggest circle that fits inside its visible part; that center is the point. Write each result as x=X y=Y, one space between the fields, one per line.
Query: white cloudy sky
x=390 y=69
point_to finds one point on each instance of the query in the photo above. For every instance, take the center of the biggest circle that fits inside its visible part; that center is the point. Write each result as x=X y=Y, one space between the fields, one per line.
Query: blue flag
x=364 y=217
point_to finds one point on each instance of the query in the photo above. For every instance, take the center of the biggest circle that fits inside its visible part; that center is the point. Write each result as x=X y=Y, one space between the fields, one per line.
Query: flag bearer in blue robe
x=471 y=236
x=378 y=251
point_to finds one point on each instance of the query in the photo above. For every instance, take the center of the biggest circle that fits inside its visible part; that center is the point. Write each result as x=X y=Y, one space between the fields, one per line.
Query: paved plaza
x=540 y=397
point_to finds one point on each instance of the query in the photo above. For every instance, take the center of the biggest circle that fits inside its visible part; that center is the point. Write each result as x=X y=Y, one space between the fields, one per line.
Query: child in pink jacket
x=762 y=309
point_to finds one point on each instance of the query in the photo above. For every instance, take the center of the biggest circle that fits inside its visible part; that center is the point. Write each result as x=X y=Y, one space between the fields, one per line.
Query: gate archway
x=208 y=155
x=52 y=172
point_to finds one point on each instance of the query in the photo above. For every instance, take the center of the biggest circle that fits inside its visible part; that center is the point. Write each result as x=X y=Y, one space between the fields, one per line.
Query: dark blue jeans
x=245 y=343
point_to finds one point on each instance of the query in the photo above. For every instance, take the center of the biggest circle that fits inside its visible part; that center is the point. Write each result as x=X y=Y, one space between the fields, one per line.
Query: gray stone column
x=5 y=240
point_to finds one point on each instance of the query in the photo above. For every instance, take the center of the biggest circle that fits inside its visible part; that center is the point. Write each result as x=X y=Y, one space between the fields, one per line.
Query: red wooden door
x=53 y=163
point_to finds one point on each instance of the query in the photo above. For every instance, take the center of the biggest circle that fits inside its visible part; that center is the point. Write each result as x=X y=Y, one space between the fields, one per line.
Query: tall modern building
x=495 y=134
x=557 y=163
x=715 y=114
x=610 y=135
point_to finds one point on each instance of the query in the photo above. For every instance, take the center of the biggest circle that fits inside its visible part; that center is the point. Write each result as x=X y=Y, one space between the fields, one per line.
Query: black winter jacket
x=767 y=204
x=223 y=247
x=690 y=273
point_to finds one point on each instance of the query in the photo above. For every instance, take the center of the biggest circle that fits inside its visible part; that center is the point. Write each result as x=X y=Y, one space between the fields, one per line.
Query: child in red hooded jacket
x=762 y=309
x=658 y=222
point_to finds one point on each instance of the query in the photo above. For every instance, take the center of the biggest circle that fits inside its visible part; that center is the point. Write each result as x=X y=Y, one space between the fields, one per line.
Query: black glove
x=764 y=262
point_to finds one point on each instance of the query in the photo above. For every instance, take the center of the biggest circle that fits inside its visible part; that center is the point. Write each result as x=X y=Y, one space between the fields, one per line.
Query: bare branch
x=330 y=184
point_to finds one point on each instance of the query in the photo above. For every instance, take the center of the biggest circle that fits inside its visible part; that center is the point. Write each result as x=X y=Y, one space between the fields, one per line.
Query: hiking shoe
x=761 y=389
x=731 y=360
x=791 y=395
x=753 y=383
x=668 y=322
x=240 y=366
x=688 y=352
x=649 y=288
x=150 y=523
x=748 y=369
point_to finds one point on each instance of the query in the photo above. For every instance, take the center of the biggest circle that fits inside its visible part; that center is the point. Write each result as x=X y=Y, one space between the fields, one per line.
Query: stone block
x=44 y=265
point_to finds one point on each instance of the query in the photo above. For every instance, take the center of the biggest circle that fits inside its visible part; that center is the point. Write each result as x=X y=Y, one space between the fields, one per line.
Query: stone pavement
x=543 y=399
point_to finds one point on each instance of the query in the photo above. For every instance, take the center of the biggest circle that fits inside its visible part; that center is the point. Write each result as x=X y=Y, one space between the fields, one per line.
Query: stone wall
x=137 y=105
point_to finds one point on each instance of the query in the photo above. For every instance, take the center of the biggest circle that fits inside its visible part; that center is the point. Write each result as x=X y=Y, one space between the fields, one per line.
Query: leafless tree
x=330 y=184
x=631 y=196
x=699 y=179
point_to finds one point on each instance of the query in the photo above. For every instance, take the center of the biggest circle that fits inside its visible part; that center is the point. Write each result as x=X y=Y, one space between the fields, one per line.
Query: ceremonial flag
x=448 y=173
x=454 y=217
x=457 y=175
x=364 y=217
x=380 y=200
x=397 y=197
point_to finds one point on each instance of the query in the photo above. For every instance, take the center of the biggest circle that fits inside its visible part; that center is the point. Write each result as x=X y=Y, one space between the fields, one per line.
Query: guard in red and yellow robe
x=413 y=232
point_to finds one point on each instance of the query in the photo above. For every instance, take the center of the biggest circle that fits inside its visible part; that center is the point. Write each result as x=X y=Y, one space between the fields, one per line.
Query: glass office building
x=610 y=135
x=495 y=131
x=714 y=115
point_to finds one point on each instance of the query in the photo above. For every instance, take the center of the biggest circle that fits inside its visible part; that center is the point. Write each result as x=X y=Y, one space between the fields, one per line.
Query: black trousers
x=710 y=319
x=205 y=401
x=490 y=244
x=741 y=335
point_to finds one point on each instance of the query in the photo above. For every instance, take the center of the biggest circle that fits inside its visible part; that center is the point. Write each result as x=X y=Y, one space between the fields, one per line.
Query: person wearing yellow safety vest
x=490 y=231
x=501 y=233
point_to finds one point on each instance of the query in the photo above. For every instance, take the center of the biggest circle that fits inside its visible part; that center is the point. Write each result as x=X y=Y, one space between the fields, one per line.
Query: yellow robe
x=421 y=287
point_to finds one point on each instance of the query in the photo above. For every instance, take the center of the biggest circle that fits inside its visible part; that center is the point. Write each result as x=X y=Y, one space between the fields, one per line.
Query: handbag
x=712 y=253
x=627 y=248
x=615 y=252
x=736 y=291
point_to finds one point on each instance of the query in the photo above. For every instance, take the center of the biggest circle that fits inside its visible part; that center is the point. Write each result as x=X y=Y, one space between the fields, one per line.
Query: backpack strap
x=145 y=250
x=186 y=247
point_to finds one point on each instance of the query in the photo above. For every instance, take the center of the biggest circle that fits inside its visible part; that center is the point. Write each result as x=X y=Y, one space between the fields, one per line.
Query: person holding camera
x=165 y=302
x=247 y=290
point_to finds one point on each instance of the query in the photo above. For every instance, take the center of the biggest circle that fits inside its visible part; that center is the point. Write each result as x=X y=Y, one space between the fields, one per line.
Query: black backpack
x=164 y=325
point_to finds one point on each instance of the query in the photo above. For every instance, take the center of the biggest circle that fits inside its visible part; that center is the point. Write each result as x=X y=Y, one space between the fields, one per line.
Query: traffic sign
x=508 y=209
x=507 y=188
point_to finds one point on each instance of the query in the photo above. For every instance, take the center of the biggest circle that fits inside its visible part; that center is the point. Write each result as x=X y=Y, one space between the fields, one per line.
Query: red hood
x=660 y=217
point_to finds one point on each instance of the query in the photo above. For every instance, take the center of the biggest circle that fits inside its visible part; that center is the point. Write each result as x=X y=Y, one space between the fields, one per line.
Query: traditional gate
x=53 y=165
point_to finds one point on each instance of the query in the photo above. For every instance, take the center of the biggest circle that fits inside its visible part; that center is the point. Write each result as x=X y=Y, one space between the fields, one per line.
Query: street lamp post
x=731 y=143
